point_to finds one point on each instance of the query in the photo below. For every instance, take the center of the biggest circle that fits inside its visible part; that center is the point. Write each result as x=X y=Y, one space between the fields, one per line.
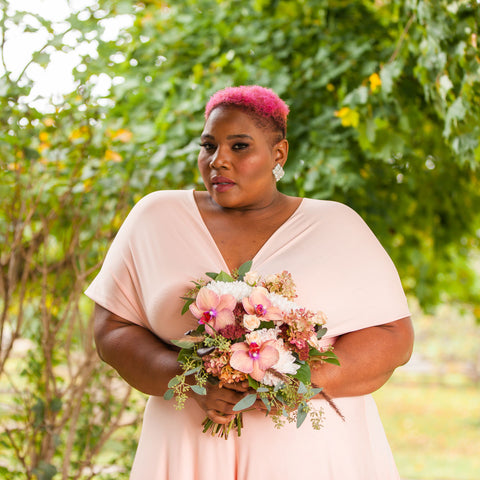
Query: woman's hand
x=218 y=403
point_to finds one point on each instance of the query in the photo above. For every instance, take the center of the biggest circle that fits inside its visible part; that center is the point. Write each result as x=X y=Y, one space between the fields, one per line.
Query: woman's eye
x=209 y=147
x=240 y=146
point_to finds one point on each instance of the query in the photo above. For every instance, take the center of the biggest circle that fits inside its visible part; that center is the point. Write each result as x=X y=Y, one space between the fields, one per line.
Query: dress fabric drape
x=339 y=267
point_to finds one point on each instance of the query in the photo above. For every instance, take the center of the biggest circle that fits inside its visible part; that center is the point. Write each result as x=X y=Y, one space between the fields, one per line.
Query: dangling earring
x=278 y=172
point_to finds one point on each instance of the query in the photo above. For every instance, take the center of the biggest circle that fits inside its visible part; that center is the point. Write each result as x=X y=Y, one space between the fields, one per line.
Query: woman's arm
x=140 y=357
x=367 y=358
x=148 y=364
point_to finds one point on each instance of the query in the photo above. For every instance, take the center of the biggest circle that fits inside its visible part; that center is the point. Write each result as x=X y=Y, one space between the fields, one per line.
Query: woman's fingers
x=219 y=417
x=237 y=387
x=218 y=402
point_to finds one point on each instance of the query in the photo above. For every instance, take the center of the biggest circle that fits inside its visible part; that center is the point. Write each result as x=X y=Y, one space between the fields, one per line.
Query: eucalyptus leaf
x=174 y=381
x=198 y=389
x=267 y=404
x=262 y=390
x=168 y=395
x=192 y=371
x=245 y=402
x=302 y=413
x=321 y=332
x=302 y=389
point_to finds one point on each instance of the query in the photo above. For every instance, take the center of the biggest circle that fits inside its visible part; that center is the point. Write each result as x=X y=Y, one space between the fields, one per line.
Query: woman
x=172 y=237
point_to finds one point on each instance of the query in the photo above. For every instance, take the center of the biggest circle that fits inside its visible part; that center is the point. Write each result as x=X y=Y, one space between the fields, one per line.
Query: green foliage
x=384 y=111
x=385 y=115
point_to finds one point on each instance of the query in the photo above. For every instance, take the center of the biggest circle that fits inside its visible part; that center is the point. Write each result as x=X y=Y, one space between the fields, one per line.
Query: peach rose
x=251 y=322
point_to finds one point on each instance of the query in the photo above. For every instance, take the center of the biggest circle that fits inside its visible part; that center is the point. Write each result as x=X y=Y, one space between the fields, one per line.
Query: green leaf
x=41 y=58
x=188 y=302
x=302 y=389
x=45 y=471
x=184 y=354
x=333 y=361
x=56 y=404
x=267 y=404
x=212 y=275
x=321 y=332
x=244 y=268
x=316 y=391
x=198 y=389
x=173 y=382
x=245 y=402
x=183 y=343
x=302 y=413
x=193 y=370
x=253 y=383
x=303 y=373
x=168 y=395
x=224 y=277
x=330 y=357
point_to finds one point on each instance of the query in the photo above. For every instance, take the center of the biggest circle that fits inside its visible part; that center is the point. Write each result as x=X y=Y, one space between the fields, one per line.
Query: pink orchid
x=260 y=305
x=212 y=310
x=254 y=359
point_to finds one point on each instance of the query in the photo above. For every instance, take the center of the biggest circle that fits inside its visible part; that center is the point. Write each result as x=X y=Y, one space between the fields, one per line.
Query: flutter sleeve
x=117 y=287
x=348 y=273
x=370 y=290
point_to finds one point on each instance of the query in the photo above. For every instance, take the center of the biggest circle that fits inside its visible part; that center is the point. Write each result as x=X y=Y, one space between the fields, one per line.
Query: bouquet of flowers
x=250 y=329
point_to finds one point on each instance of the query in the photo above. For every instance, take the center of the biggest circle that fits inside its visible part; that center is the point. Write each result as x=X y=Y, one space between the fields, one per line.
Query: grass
x=433 y=429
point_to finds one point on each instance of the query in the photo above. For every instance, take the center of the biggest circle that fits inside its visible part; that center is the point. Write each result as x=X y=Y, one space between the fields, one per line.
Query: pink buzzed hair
x=261 y=101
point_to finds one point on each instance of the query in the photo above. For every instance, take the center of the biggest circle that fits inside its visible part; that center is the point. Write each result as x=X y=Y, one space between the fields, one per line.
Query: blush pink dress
x=339 y=267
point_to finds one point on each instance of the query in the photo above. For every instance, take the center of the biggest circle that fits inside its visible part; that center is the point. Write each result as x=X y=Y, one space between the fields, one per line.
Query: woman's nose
x=218 y=159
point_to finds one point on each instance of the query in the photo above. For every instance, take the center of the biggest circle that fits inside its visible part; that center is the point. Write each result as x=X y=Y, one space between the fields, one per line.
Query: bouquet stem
x=222 y=431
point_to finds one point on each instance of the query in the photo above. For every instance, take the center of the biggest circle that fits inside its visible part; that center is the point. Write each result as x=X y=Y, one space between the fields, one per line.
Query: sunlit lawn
x=434 y=430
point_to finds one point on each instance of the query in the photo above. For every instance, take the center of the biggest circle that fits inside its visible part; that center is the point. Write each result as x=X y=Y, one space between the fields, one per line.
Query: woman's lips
x=222 y=184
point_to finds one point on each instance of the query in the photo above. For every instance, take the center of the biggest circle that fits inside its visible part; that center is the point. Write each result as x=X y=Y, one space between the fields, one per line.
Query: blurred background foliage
x=385 y=116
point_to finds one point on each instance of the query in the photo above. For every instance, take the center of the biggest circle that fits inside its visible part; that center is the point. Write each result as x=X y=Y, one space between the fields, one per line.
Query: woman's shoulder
x=329 y=207
x=335 y=216
x=162 y=199
x=159 y=203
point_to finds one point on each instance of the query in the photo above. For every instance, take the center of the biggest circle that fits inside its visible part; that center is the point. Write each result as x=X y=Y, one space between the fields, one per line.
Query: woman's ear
x=280 y=151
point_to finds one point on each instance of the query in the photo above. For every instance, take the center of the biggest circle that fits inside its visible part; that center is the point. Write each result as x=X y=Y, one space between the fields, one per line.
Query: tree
x=384 y=99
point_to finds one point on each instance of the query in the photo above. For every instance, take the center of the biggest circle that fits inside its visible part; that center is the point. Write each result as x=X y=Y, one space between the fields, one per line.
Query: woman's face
x=236 y=160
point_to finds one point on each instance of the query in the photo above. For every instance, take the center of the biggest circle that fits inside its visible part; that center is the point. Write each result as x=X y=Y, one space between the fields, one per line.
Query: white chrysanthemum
x=282 y=303
x=286 y=364
x=238 y=289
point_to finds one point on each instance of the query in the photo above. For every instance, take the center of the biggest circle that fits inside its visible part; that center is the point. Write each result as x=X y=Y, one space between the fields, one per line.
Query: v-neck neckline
x=202 y=223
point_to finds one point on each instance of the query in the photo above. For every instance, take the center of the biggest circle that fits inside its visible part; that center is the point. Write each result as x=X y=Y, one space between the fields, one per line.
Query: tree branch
x=412 y=18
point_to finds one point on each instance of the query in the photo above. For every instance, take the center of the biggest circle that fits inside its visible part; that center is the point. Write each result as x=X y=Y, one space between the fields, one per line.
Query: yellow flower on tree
x=111 y=156
x=123 y=135
x=348 y=117
x=375 y=82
